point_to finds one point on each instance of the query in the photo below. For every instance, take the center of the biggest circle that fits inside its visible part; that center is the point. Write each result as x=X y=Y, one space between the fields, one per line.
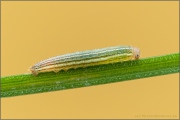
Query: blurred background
x=33 y=31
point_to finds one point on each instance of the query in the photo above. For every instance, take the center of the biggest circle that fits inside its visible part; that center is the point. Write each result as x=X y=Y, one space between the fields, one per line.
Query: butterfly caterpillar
x=86 y=58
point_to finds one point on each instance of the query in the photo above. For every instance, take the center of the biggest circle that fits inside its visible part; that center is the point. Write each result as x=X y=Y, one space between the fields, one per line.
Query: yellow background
x=33 y=31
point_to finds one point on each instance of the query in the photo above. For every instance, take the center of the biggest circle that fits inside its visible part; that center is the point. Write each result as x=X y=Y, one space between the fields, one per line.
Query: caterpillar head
x=136 y=53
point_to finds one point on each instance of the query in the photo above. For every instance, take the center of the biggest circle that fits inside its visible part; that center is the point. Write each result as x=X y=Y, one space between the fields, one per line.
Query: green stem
x=95 y=75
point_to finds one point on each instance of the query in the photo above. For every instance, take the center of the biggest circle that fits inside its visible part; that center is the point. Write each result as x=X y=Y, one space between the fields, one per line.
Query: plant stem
x=94 y=75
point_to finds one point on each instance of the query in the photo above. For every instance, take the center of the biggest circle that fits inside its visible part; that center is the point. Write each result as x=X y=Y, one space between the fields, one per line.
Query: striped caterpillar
x=86 y=58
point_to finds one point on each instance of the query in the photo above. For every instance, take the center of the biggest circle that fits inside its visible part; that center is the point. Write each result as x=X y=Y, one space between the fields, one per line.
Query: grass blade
x=95 y=75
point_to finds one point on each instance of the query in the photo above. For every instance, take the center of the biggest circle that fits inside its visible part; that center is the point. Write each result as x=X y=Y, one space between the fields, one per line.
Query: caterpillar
x=86 y=58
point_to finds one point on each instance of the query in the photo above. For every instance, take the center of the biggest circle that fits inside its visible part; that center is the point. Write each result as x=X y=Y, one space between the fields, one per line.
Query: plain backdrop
x=33 y=31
